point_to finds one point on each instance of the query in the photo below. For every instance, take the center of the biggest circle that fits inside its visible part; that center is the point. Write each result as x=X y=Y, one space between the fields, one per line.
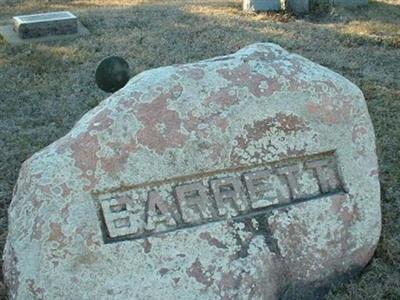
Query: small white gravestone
x=261 y=5
x=38 y=25
x=43 y=27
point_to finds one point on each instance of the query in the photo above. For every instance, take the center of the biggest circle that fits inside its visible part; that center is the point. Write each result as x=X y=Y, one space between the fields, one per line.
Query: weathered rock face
x=248 y=176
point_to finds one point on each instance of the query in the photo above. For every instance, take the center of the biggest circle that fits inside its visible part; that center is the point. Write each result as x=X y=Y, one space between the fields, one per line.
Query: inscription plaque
x=39 y=25
x=237 y=194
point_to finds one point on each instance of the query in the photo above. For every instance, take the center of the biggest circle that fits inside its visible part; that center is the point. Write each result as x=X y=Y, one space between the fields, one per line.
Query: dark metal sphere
x=112 y=74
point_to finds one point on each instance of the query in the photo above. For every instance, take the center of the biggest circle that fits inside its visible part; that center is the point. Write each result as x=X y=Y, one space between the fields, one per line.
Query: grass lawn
x=46 y=88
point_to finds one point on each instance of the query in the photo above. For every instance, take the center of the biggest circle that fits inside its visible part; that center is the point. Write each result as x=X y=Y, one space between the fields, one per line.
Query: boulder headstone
x=247 y=176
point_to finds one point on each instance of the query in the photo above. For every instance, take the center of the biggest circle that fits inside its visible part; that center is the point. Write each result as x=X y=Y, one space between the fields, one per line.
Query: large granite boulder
x=247 y=176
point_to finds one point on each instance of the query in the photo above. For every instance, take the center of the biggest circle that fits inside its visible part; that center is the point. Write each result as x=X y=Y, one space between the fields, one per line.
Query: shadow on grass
x=378 y=23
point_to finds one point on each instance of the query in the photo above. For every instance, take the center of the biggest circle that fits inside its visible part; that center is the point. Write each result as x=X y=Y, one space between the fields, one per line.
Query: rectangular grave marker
x=261 y=5
x=43 y=28
x=39 y=25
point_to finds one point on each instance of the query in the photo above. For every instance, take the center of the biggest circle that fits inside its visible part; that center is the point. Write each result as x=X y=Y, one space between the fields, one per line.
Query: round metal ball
x=112 y=74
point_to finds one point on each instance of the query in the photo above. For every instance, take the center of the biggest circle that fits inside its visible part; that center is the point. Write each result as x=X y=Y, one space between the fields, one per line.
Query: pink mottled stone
x=248 y=176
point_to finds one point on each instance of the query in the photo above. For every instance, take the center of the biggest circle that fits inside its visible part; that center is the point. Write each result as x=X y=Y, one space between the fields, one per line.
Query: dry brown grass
x=45 y=88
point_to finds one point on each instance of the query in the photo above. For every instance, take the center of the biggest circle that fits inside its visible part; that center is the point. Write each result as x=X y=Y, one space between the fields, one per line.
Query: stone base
x=261 y=5
x=299 y=6
x=27 y=31
x=12 y=37
x=350 y=3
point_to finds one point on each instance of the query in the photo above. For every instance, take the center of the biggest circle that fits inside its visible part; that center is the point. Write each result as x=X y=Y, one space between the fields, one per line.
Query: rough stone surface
x=248 y=176
x=261 y=5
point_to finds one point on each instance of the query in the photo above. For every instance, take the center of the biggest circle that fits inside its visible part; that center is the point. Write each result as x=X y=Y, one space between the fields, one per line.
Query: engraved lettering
x=117 y=217
x=326 y=180
x=289 y=172
x=122 y=222
x=118 y=207
x=228 y=192
x=259 y=189
x=157 y=212
x=194 y=202
x=238 y=193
